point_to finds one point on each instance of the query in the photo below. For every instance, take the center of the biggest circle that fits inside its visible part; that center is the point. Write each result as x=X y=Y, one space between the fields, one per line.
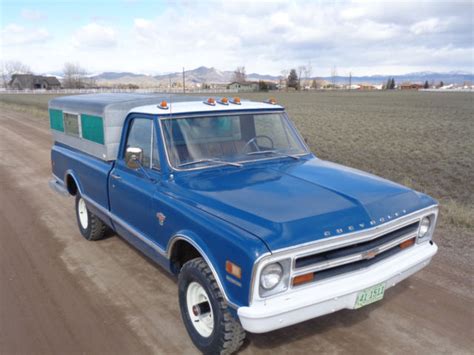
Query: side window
x=71 y=124
x=140 y=136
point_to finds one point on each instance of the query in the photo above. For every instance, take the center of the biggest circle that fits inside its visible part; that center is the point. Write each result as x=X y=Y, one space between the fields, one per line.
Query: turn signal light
x=236 y=101
x=302 y=279
x=211 y=101
x=233 y=269
x=407 y=243
x=163 y=105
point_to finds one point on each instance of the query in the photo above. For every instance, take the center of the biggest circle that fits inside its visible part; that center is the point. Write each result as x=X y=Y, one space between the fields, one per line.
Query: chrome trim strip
x=355 y=237
x=186 y=238
x=352 y=258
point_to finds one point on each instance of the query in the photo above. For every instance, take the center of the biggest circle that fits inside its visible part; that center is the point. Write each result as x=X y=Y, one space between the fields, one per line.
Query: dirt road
x=60 y=294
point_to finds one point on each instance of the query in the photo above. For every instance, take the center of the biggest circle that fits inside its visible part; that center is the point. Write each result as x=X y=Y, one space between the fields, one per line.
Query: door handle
x=115 y=176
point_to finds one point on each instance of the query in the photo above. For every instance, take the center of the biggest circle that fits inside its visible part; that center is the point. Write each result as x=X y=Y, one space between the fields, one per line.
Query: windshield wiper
x=210 y=161
x=270 y=151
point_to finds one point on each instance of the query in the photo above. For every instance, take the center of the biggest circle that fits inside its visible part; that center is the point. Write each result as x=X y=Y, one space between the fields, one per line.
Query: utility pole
x=350 y=80
x=184 y=82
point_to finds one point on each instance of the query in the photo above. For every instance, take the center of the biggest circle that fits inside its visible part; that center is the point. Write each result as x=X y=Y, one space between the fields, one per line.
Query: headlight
x=271 y=276
x=425 y=225
x=274 y=278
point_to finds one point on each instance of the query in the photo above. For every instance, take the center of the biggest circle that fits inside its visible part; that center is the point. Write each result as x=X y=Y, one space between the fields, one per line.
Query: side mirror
x=134 y=157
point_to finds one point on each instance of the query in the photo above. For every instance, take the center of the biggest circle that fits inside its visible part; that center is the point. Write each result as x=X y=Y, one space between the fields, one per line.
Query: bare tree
x=13 y=67
x=333 y=76
x=239 y=75
x=308 y=72
x=301 y=71
x=74 y=76
x=284 y=78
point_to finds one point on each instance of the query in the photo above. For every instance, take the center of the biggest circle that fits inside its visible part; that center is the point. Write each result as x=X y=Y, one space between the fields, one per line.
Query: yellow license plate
x=370 y=295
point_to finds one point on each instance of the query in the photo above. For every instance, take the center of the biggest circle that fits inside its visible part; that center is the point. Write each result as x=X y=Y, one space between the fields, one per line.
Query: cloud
x=95 y=36
x=364 y=37
x=431 y=25
x=14 y=34
x=32 y=15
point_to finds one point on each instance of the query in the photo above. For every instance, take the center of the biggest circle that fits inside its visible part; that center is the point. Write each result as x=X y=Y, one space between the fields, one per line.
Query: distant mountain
x=214 y=76
x=198 y=75
x=114 y=75
x=264 y=77
x=420 y=77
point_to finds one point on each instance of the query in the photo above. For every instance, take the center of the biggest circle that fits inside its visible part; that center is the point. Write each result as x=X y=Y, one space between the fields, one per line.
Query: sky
x=152 y=37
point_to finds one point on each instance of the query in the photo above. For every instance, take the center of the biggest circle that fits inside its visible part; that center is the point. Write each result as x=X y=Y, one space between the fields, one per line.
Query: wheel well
x=71 y=185
x=181 y=253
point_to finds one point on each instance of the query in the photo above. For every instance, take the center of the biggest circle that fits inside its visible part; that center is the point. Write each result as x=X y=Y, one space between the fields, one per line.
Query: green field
x=421 y=139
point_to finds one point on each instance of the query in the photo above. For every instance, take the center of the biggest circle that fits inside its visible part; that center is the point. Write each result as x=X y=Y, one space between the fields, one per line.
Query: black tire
x=95 y=228
x=227 y=335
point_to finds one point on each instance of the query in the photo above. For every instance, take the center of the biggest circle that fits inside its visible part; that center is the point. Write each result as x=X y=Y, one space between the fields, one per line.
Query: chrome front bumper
x=333 y=294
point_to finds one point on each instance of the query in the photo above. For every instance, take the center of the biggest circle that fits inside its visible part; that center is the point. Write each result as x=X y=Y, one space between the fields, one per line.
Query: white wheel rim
x=200 y=309
x=82 y=209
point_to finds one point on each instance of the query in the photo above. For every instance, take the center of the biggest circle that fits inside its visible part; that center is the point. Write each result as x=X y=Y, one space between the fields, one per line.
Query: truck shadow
x=319 y=326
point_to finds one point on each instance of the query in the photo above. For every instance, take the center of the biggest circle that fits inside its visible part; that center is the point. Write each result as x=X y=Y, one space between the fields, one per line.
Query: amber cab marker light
x=211 y=101
x=163 y=105
x=233 y=269
x=407 y=243
x=302 y=279
x=236 y=101
x=272 y=101
x=225 y=101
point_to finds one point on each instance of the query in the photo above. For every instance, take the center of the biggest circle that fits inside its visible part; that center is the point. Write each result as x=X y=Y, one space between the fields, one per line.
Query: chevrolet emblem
x=371 y=254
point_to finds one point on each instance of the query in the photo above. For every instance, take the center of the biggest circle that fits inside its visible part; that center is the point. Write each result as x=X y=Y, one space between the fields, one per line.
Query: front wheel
x=204 y=311
x=91 y=227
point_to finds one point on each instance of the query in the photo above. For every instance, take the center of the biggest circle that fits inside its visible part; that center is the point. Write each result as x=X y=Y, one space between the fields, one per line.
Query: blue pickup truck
x=225 y=194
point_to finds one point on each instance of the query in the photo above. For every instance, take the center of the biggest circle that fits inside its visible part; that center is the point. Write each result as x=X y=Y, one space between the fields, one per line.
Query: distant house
x=244 y=86
x=367 y=87
x=410 y=86
x=32 y=82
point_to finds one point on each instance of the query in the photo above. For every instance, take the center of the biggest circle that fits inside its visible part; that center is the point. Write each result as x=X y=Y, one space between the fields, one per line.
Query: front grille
x=356 y=256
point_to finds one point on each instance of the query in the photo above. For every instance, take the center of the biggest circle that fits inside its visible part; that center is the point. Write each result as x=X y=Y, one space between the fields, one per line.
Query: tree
x=293 y=79
x=314 y=84
x=301 y=71
x=239 y=75
x=333 y=76
x=392 y=84
x=13 y=67
x=441 y=84
x=284 y=77
x=263 y=86
x=426 y=86
x=74 y=76
x=308 y=71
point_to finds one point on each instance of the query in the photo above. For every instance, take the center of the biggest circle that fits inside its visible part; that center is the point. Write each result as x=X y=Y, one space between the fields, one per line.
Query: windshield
x=229 y=139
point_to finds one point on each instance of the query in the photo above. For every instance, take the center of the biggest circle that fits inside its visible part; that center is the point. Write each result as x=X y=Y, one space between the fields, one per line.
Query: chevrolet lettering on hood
x=225 y=194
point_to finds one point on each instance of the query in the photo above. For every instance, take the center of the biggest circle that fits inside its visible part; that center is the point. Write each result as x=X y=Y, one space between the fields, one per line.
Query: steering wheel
x=254 y=142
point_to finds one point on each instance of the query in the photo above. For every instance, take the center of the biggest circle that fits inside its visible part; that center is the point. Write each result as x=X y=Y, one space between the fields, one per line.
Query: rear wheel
x=91 y=227
x=204 y=311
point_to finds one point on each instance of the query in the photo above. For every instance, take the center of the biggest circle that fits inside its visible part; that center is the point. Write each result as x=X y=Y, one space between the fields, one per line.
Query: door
x=132 y=190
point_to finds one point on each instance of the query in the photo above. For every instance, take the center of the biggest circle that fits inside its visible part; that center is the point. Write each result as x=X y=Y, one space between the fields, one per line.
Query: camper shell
x=93 y=123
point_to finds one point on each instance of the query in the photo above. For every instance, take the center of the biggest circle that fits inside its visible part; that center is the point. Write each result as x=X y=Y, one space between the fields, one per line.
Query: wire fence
x=112 y=90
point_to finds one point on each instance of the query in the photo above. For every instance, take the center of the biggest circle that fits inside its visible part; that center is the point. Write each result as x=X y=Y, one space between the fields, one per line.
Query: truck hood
x=300 y=201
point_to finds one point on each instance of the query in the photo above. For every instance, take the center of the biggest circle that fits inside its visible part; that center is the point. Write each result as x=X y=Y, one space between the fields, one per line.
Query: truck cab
x=225 y=194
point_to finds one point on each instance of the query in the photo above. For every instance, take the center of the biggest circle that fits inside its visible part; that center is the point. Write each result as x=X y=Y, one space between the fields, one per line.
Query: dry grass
x=420 y=139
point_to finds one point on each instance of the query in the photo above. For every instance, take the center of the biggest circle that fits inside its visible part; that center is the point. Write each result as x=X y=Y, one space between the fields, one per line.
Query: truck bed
x=90 y=173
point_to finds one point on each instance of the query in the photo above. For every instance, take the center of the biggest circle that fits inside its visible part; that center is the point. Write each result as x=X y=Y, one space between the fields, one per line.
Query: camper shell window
x=71 y=124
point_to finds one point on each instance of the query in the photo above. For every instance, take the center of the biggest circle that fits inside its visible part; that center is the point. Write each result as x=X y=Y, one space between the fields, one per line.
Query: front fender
x=218 y=246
